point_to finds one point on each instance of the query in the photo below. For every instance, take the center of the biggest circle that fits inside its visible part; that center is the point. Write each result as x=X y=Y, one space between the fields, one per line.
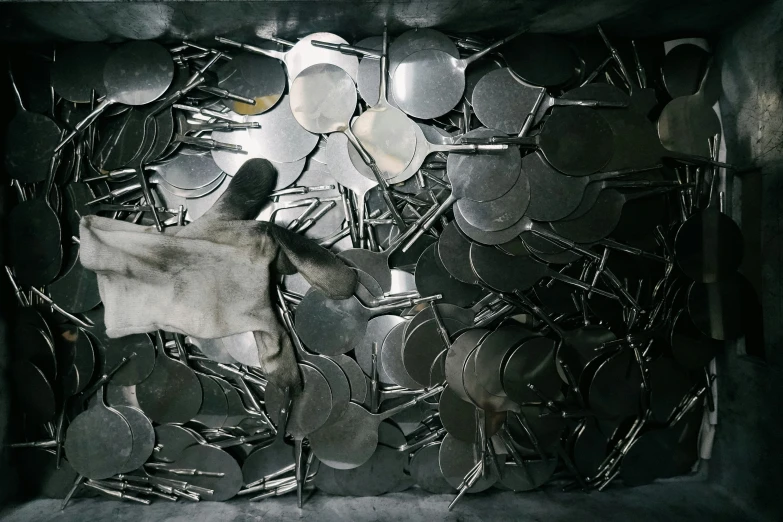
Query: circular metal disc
x=501 y=213
x=389 y=137
x=458 y=353
x=368 y=79
x=687 y=124
x=589 y=137
x=432 y=279
x=483 y=177
x=454 y=253
x=532 y=362
x=205 y=457
x=425 y=470
x=252 y=76
x=716 y=308
x=189 y=171
x=281 y=138
x=541 y=59
x=683 y=69
x=121 y=396
x=491 y=355
x=355 y=375
x=36 y=251
x=267 y=460
x=377 y=330
x=459 y=417
x=329 y=326
x=428 y=83
x=423 y=347
x=34 y=345
x=503 y=272
x=598 y=222
x=350 y=442
x=489 y=238
x=77 y=290
x=457 y=459
x=478 y=395
x=214 y=406
x=34 y=392
x=30 y=141
x=143 y=437
x=311 y=407
x=114 y=350
x=375 y=477
x=554 y=195
x=547 y=428
x=373 y=263
x=336 y=379
x=231 y=162
x=99 y=443
x=446 y=311
x=171 y=393
x=304 y=54
x=78 y=70
x=417 y=40
x=615 y=389
x=392 y=361
x=709 y=246
x=419 y=156
x=323 y=98
x=138 y=72
x=352 y=174
x=476 y=72
x=502 y=102
x=690 y=347
x=172 y=441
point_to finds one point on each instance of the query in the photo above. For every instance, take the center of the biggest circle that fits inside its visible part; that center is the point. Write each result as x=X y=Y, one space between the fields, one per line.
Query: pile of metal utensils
x=538 y=223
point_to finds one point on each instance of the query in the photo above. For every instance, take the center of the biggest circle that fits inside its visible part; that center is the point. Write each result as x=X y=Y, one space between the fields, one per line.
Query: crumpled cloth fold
x=213 y=277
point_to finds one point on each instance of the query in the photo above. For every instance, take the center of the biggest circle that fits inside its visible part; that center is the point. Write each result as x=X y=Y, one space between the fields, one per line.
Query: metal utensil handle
x=347 y=49
x=223 y=93
x=252 y=48
x=467 y=147
x=88 y=120
x=432 y=220
x=563 y=102
x=472 y=58
x=106 y=376
x=402 y=407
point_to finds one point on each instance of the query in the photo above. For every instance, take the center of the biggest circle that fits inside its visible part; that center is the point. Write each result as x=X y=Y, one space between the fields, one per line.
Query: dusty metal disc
x=171 y=441
x=99 y=442
x=205 y=457
x=143 y=436
x=138 y=72
x=457 y=459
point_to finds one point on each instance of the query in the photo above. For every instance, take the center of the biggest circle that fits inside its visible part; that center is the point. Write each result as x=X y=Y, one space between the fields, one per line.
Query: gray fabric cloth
x=212 y=277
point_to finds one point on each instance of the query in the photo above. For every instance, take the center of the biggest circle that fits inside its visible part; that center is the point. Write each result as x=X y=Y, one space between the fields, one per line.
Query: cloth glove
x=213 y=277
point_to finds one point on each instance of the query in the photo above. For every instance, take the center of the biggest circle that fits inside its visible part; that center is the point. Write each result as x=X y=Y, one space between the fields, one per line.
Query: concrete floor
x=674 y=501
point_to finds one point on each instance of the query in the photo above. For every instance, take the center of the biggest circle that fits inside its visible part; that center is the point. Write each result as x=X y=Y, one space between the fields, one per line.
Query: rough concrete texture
x=747 y=460
x=673 y=501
